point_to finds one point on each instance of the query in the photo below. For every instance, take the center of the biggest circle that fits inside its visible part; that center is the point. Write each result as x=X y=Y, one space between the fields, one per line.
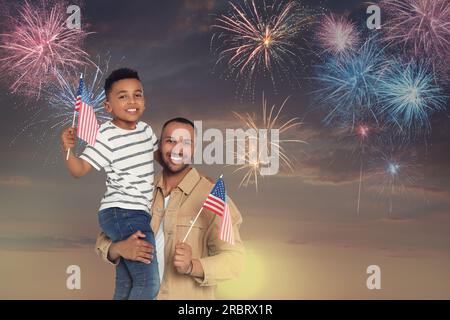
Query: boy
x=125 y=149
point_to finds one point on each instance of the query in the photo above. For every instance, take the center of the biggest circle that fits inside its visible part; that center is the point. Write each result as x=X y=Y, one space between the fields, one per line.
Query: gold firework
x=253 y=157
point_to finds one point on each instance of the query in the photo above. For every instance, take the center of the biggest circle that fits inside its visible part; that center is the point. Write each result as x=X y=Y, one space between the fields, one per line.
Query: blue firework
x=408 y=95
x=395 y=169
x=62 y=94
x=46 y=122
x=347 y=87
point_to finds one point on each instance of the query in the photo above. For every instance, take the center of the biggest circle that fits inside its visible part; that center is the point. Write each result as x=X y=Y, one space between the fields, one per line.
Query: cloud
x=195 y=16
x=44 y=243
x=15 y=181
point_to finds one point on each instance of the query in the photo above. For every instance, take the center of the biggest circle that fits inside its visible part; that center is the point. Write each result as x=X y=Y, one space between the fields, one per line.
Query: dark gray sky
x=168 y=42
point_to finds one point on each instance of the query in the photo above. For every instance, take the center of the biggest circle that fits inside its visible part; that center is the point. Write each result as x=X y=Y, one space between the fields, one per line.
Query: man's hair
x=117 y=75
x=179 y=120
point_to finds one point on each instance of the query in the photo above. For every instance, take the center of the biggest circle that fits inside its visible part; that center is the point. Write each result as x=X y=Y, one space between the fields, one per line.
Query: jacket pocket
x=196 y=235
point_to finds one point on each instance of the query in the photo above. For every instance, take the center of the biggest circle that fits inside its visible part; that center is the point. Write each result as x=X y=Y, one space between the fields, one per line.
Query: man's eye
x=122 y=97
x=139 y=95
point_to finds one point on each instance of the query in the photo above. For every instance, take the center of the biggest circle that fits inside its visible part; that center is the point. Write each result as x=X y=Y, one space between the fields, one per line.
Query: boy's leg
x=109 y=220
x=123 y=282
x=145 y=277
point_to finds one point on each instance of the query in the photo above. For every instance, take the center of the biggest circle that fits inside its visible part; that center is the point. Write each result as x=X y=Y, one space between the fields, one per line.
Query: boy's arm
x=77 y=167
x=156 y=152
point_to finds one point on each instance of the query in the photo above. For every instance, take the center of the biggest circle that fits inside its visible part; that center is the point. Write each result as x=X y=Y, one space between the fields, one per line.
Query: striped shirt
x=127 y=158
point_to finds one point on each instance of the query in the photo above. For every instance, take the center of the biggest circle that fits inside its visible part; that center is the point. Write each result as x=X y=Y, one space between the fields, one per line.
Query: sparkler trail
x=260 y=40
x=252 y=157
x=362 y=132
x=359 y=139
x=409 y=95
x=36 y=44
x=337 y=35
x=421 y=28
x=348 y=86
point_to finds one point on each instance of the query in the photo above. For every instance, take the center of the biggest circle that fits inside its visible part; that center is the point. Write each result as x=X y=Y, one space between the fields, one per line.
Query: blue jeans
x=134 y=280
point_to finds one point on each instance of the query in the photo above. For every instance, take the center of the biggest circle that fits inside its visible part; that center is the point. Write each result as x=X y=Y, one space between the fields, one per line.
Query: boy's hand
x=68 y=139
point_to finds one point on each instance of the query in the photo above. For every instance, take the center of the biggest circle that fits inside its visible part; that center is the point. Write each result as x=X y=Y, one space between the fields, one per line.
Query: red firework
x=36 y=44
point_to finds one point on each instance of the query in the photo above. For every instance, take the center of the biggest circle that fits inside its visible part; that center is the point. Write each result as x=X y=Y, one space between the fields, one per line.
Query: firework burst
x=46 y=123
x=258 y=40
x=409 y=95
x=348 y=86
x=395 y=171
x=337 y=36
x=254 y=158
x=421 y=28
x=37 y=44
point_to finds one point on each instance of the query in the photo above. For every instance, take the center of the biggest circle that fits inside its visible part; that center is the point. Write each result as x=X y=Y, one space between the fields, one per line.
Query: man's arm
x=225 y=261
x=133 y=248
x=76 y=166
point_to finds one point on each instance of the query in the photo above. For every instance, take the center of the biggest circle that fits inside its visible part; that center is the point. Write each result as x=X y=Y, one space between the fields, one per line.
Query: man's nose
x=178 y=148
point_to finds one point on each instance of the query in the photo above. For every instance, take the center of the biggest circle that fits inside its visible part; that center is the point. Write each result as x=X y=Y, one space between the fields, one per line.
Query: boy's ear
x=107 y=106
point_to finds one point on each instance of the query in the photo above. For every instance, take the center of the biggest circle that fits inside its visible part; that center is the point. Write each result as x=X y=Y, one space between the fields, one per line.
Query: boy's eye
x=121 y=97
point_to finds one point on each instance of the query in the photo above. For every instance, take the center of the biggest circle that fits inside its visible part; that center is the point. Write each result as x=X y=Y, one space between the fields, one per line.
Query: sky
x=303 y=234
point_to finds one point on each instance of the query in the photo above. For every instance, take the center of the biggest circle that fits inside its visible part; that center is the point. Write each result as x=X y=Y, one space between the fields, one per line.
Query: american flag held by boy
x=87 y=122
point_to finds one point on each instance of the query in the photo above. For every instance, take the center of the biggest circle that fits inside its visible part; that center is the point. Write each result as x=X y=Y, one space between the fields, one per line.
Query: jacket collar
x=186 y=185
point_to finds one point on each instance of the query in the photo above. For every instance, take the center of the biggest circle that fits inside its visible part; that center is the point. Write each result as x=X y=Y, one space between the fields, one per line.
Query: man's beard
x=168 y=169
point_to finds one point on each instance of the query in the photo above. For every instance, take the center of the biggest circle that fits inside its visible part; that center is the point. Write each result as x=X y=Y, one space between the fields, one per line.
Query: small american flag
x=216 y=202
x=87 y=122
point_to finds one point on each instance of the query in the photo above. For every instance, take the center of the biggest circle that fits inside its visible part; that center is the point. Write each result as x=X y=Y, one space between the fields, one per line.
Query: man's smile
x=176 y=159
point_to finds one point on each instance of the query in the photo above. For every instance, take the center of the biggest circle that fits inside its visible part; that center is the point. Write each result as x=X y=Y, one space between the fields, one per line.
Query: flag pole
x=195 y=220
x=192 y=224
x=73 y=121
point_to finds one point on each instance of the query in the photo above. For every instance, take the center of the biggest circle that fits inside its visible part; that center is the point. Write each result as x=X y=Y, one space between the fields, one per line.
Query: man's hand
x=182 y=259
x=133 y=248
x=68 y=139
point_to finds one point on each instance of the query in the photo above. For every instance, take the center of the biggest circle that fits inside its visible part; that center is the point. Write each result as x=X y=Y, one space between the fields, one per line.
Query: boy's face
x=177 y=146
x=126 y=101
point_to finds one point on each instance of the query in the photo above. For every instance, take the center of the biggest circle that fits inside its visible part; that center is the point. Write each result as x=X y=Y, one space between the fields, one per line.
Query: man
x=189 y=270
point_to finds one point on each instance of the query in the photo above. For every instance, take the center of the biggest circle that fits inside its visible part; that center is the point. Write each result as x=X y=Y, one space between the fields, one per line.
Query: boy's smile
x=126 y=103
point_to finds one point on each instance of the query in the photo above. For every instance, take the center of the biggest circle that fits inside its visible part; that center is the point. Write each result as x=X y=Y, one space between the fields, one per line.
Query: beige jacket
x=220 y=260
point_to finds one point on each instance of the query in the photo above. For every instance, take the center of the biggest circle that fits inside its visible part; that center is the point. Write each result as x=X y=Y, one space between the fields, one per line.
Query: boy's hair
x=117 y=75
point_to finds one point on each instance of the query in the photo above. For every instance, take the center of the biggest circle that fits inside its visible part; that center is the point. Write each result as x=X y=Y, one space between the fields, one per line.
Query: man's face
x=177 y=146
x=126 y=100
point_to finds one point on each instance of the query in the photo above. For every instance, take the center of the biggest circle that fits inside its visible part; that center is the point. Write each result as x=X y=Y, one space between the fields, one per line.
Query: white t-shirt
x=127 y=157
x=159 y=240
